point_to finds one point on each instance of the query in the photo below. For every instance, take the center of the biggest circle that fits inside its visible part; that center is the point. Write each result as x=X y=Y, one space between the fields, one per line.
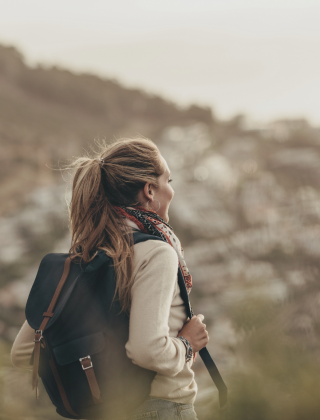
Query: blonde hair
x=113 y=177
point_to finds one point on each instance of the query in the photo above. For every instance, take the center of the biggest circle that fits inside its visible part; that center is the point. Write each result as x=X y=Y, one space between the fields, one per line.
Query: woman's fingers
x=204 y=335
x=195 y=332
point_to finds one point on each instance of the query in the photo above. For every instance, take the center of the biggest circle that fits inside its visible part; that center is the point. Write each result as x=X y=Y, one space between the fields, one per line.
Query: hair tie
x=100 y=161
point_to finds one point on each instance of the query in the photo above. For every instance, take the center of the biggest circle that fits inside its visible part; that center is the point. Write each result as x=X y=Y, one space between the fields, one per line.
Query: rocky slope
x=247 y=209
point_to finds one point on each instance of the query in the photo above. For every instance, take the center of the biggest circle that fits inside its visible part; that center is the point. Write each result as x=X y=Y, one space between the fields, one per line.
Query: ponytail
x=113 y=177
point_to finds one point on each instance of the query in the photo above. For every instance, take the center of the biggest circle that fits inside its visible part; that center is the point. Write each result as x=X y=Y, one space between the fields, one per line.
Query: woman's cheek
x=172 y=193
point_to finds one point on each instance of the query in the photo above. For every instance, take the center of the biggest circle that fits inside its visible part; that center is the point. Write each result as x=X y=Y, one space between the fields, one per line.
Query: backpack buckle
x=40 y=338
x=82 y=364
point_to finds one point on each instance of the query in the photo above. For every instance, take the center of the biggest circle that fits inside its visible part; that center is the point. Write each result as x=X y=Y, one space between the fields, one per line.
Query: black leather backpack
x=80 y=337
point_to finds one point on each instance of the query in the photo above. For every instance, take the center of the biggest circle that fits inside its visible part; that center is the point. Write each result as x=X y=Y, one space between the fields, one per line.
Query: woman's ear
x=148 y=191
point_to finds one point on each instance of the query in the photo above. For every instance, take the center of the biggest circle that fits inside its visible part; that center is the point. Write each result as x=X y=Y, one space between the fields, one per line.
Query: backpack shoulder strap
x=142 y=237
x=46 y=318
x=204 y=353
x=39 y=337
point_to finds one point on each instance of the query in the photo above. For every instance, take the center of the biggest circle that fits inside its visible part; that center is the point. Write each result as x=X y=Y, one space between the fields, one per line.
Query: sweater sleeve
x=149 y=344
x=23 y=347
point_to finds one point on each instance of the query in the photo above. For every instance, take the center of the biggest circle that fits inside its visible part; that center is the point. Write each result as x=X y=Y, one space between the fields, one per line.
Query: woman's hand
x=195 y=332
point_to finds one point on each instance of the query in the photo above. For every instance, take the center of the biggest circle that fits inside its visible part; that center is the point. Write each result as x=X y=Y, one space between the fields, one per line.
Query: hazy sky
x=260 y=57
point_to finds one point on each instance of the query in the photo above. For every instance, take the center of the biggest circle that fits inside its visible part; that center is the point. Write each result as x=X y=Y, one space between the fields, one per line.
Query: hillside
x=49 y=114
x=246 y=207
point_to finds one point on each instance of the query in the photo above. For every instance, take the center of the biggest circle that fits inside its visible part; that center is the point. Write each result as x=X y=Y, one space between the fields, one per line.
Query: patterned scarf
x=148 y=221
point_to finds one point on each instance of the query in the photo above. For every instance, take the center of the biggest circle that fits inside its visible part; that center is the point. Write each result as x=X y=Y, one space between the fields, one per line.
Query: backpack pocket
x=76 y=349
x=78 y=363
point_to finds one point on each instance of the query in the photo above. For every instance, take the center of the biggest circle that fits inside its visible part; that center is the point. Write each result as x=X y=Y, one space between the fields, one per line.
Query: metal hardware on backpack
x=80 y=337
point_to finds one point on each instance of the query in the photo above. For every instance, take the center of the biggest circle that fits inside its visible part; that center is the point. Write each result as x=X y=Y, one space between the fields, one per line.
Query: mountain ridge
x=49 y=114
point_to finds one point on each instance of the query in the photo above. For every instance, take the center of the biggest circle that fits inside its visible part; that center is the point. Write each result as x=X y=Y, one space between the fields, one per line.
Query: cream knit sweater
x=156 y=317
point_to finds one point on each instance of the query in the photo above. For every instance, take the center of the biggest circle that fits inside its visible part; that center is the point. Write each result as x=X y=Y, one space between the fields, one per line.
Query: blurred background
x=229 y=92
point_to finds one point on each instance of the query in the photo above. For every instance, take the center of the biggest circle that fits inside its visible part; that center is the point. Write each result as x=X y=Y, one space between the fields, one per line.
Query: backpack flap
x=47 y=280
x=81 y=347
x=44 y=287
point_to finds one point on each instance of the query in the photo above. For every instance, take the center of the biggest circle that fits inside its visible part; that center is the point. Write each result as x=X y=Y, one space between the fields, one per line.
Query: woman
x=127 y=188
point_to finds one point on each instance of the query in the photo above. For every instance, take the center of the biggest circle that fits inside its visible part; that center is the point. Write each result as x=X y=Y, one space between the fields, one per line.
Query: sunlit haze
x=237 y=56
